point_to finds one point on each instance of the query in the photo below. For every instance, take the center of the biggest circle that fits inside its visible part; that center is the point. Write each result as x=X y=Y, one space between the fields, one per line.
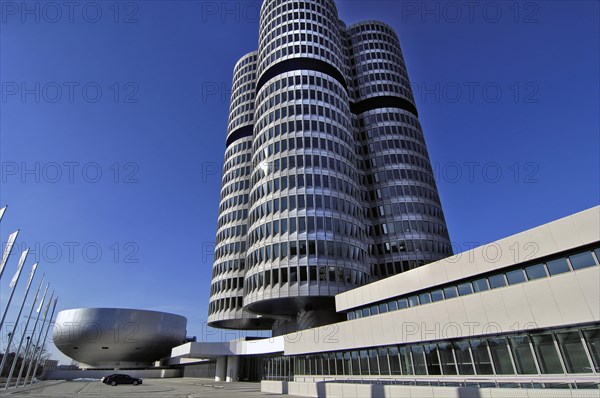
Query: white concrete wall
x=566 y=299
x=274 y=387
x=345 y=390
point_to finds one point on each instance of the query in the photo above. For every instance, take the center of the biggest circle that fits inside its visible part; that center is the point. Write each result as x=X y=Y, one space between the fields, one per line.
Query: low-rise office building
x=520 y=312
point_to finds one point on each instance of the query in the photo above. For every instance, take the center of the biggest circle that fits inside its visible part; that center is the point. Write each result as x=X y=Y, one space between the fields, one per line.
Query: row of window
x=405 y=207
x=305 y=275
x=306 y=200
x=332 y=225
x=232 y=216
x=405 y=191
x=225 y=304
x=513 y=276
x=302 y=161
x=229 y=248
x=306 y=249
x=222 y=267
x=224 y=285
x=378 y=117
x=562 y=351
x=418 y=245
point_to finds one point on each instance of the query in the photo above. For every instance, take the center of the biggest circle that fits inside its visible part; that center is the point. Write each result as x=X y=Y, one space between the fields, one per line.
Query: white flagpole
x=39 y=355
x=5 y=357
x=7 y=250
x=28 y=346
x=13 y=285
x=37 y=343
x=2 y=210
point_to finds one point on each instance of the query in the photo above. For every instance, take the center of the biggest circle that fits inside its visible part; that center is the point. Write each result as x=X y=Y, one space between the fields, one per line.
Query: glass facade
x=558 y=352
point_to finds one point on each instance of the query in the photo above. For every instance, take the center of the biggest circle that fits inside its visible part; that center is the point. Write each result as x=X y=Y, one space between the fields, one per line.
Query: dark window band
x=383 y=102
x=242 y=132
x=301 y=64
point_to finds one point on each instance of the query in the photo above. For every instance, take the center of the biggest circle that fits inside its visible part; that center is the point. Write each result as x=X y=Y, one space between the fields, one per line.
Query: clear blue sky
x=504 y=87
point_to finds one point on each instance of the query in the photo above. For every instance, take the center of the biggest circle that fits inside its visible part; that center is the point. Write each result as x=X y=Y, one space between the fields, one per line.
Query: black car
x=118 y=378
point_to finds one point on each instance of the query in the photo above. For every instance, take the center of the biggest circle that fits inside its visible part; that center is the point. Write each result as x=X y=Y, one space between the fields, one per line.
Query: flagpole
x=28 y=346
x=13 y=285
x=5 y=357
x=39 y=356
x=7 y=250
x=37 y=343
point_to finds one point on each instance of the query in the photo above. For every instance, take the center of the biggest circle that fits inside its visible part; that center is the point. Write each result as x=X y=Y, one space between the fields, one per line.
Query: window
x=394 y=357
x=592 y=338
x=432 y=359
x=393 y=305
x=413 y=301
x=437 y=295
x=463 y=357
x=582 y=260
x=497 y=281
x=516 y=276
x=545 y=351
x=536 y=272
x=483 y=364
x=373 y=364
x=465 y=289
x=480 y=285
x=424 y=298
x=573 y=352
x=364 y=362
x=384 y=367
x=406 y=361
x=447 y=359
x=500 y=356
x=402 y=303
x=418 y=360
x=450 y=292
x=558 y=266
x=522 y=354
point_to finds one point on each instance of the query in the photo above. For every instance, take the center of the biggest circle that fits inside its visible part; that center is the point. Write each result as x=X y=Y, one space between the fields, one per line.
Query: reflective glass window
x=500 y=355
x=447 y=359
x=522 y=354
x=582 y=260
x=418 y=358
x=536 y=271
x=497 y=281
x=384 y=367
x=465 y=289
x=516 y=276
x=558 y=266
x=573 y=352
x=437 y=295
x=463 y=357
x=592 y=339
x=394 y=357
x=481 y=357
x=545 y=351
x=450 y=292
x=480 y=285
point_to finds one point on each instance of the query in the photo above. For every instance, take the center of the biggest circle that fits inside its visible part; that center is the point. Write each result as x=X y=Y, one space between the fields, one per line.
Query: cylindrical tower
x=229 y=268
x=306 y=221
x=407 y=223
x=327 y=183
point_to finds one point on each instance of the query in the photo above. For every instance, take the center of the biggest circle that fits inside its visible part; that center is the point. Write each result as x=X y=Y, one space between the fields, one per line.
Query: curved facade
x=327 y=182
x=117 y=338
x=229 y=269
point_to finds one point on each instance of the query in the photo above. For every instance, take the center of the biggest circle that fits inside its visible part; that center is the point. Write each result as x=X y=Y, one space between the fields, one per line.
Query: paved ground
x=159 y=388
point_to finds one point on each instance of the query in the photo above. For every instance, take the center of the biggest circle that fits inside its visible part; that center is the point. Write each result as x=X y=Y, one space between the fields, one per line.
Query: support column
x=233 y=367
x=220 y=369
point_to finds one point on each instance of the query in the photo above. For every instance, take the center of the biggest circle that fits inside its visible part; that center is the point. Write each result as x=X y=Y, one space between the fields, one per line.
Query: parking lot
x=160 y=388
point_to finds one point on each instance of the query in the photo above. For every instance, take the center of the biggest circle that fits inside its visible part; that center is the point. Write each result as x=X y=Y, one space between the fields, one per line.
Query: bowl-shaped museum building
x=117 y=338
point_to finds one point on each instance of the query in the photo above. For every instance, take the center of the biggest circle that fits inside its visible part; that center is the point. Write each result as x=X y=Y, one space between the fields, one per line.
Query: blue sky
x=113 y=122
